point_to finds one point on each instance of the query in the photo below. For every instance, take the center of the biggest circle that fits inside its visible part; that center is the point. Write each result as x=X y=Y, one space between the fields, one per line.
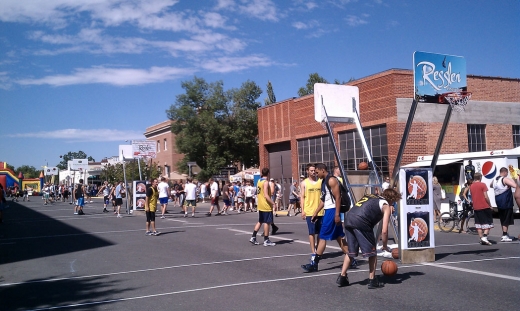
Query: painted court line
x=307 y=276
x=496 y=275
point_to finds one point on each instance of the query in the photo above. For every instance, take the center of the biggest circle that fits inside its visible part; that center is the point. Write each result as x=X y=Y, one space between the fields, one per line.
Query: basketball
x=395 y=253
x=389 y=268
x=362 y=166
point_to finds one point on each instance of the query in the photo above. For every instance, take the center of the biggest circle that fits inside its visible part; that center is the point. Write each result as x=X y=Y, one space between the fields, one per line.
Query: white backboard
x=144 y=149
x=337 y=100
x=126 y=152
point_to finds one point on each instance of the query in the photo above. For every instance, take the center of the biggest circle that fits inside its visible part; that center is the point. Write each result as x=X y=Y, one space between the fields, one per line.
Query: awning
x=429 y=162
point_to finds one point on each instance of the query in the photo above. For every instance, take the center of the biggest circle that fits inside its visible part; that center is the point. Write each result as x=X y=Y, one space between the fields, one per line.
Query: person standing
x=214 y=197
x=164 y=195
x=203 y=192
x=293 y=198
x=119 y=198
x=105 y=189
x=191 y=197
x=437 y=196
x=469 y=171
x=310 y=199
x=331 y=228
x=359 y=230
x=249 y=192
x=226 y=198
x=79 y=198
x=502 y=186
x=265 y=209
x=482 y=207
x=386 y=183
x=150 y=207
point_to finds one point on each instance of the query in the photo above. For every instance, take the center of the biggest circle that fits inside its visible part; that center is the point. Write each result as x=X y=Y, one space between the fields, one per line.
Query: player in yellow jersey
x=310 y=199
x=265 y=208
x=150 y=206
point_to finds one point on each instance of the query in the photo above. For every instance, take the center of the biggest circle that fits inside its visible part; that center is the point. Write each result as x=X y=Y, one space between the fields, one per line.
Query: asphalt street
x=52 y=259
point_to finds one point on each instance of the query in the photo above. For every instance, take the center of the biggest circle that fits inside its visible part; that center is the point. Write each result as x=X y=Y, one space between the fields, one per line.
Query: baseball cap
x=302 y=176
x=271 y=179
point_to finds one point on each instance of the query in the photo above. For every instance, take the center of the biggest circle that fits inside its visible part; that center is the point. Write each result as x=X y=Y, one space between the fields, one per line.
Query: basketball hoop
x=457 y=100
x=324 y=125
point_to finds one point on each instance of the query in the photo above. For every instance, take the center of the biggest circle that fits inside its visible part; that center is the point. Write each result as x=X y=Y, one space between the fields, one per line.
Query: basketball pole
x=441 y=138
x=404 y=140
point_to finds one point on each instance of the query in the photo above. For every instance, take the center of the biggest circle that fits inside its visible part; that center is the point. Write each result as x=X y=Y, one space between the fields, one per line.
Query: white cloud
x=224 y=4
x=261 y=9
x=230 y=64
x=83 y=135
x=5 y=82
x=306 y=25
x=112 y=76
x=356 y=20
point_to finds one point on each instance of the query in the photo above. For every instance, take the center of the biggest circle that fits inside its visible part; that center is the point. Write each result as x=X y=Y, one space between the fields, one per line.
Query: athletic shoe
x=115 y=212
x=253 y=241
x=275 y=229
x=275 y=215
x=208 y=214
x=238 y=211
x=119 y=216
x=289 y=215
x=156 y=233
x=185 y=215
x=162 y=217
x=105 y=210
x=506 y=238
x=342 y=281
x=148 y=233
x=218 y=214
x=484 y=241
x=269 y=243
x=75 y=213
x=193 y=215
x=224 y=214
x=374 y=283
x=353 y=263
x=310 y=267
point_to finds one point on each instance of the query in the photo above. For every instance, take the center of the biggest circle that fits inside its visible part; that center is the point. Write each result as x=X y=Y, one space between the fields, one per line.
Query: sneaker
x=238 y=211
x=342 y=281
x=119 y=216
x=208 y=214
x=105 y=210
x=275 y=215
x=156 y=233
x=484 y=241
x=75 y=213
x=310 y=267
x=253 y=241
x=374 y=283
x=148 y=232
x=506 y=238
x=193 y=215
x=353 y=263
x=115 y=212
x=224 y=213
x=275 y=229
x=162 y=217
x=289 y=215
x=185 y=215
x=269 y=243
x=218 y=214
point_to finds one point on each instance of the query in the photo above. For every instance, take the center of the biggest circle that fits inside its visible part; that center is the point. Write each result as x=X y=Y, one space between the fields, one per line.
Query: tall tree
x=72 y=155
x=309 y=87
x=207 y=119
x=271 y=98
x=28 y=171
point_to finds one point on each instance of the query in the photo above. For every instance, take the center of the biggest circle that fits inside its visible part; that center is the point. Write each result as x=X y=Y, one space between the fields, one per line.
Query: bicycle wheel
x=470 y=223
x=446 y=222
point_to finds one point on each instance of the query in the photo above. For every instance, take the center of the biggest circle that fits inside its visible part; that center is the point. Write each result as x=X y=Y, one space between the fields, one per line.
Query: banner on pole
x=51 y=171
x=144 y=148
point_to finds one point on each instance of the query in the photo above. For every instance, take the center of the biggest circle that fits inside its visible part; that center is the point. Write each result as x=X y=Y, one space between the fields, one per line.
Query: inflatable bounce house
x=8 y=178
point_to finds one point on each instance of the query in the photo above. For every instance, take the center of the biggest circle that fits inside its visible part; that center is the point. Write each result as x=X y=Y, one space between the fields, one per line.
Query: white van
x=450 y=169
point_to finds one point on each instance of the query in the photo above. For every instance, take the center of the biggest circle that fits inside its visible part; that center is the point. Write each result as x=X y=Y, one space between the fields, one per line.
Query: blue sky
x=89 y=74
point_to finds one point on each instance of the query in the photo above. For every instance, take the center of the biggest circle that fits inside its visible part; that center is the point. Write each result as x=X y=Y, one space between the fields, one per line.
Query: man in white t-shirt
x=214 y=197
x=164 y=195
x=250 y=192
x=191 y=197
x=203 y=192
x=386 y=183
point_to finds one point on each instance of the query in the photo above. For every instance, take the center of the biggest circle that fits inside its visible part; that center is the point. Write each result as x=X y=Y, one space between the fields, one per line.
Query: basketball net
x=457 y=100
x=324 y=125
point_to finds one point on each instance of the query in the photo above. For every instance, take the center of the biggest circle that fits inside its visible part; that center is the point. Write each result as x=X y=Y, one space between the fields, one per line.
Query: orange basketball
x=395 y=253
x=362 y=166
x=389 y=268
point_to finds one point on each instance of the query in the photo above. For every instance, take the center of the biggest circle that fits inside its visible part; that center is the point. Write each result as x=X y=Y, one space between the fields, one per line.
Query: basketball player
x=310 y=199
x=265 y=209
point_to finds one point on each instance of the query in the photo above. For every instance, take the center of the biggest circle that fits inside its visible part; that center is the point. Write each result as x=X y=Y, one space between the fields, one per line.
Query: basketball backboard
x=339 y=101
x=436 y=74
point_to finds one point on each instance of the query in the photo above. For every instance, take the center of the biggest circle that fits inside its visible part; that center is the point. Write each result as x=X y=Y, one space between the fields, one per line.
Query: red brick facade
x=293 y=119
x=167 y=156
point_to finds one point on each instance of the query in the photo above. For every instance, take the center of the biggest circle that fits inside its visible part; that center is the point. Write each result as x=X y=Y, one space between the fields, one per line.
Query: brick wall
x=293 y=119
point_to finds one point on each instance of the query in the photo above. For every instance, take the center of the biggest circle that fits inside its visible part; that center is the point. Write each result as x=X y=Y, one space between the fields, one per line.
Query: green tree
x=309 y=87
x=271 y=98
x=28 y=171
x=72 y=155
x=214 y=127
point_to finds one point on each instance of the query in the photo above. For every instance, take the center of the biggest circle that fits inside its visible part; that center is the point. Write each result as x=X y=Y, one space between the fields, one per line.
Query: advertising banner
x=78 y=165
x=52 y=171
x=416 y=214
x=144 y=149
x=139 y=187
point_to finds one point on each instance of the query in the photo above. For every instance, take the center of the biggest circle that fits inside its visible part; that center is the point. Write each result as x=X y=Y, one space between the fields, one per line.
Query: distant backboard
x=338 y=100
x=436 y=74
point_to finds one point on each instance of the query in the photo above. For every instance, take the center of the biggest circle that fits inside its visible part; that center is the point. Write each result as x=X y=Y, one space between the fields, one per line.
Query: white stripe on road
x=496 y=275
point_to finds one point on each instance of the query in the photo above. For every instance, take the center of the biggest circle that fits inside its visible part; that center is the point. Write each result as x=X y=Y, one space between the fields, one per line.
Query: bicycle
x=448 y=220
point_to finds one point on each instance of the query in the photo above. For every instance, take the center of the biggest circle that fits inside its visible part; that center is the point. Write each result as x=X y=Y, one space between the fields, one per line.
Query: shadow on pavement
x=35 y=294
x=27 y=234
x=479 y=252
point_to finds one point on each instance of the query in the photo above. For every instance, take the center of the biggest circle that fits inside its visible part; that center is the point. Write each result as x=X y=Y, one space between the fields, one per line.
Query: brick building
x=289 y=137
x=167 y=156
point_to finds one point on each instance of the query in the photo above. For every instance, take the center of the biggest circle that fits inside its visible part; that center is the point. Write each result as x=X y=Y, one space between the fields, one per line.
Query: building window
x=315 y=150
x=476 y=137
x=158 y=146
x=165 y=145
x=352 y=151
x=516 y=136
